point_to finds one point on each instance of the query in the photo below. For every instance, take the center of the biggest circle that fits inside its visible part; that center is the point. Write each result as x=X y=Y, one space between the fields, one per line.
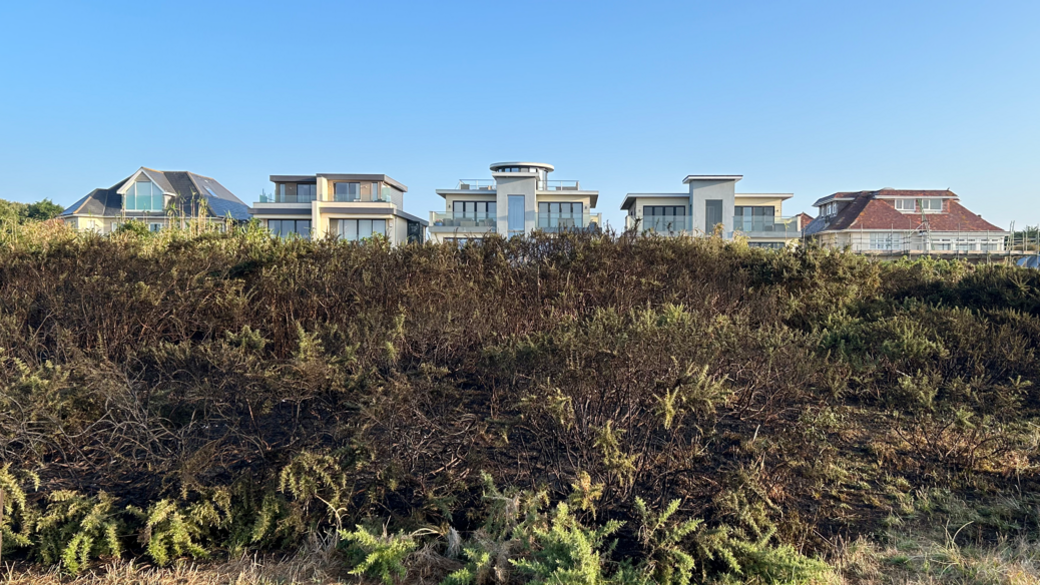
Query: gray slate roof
x=189 y=188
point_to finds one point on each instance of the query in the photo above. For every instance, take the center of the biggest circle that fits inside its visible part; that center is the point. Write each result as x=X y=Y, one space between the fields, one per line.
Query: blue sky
x=800 y=96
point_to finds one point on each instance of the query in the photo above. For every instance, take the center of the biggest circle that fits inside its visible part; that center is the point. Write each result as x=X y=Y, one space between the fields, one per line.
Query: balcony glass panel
x=464 y=219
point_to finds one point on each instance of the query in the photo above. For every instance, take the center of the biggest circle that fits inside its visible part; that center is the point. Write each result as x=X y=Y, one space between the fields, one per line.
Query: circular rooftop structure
x=521 y=167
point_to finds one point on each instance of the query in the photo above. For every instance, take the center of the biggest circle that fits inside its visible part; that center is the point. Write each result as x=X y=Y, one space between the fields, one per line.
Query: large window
x=347 y=192
x=560 y=215
x=143 y=195
x=479 y=213
x=754 y=210
x=517 y=211
x=355 y=230
x=753 y=218
x=712 y=214
x=415 y=232
x=296 y=192
x=882 y=241
x=664 y=218
x=285 y=228
x=306 y=192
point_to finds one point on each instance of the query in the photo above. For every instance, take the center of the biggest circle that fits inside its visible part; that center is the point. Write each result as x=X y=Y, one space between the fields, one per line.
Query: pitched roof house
x=156 y=198
x=901 y=220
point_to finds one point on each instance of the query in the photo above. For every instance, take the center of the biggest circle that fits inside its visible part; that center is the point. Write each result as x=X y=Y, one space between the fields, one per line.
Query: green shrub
x=167 y=533
x=382 y=556
x=566 y=552
x=75 y=529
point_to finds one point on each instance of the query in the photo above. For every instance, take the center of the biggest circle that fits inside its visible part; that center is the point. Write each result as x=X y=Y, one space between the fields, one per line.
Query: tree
x=41 y=210
x=10 y=211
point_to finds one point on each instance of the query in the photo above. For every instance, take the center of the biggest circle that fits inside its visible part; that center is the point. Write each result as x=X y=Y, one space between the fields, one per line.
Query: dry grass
x=917 y=559
x=242 y=572
x=316 y=563
x=311 y=568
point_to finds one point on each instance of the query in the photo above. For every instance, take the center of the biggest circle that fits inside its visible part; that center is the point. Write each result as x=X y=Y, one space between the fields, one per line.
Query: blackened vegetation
x=259 y=383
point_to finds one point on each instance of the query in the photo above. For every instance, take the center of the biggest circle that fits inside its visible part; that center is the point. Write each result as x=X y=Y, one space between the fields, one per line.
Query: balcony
x=331 y=197
x=767 y=226
x=284 y=198
x=662 y=224
x=361 y=198
x=476 y=185
x=451 y=221
x=559 y=185
x=552 y=222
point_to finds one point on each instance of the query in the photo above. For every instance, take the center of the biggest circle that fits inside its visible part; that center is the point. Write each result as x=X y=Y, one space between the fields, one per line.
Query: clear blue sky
x=800 y=96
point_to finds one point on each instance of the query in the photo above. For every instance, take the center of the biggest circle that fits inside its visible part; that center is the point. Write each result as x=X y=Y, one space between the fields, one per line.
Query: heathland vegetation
x=571 y=409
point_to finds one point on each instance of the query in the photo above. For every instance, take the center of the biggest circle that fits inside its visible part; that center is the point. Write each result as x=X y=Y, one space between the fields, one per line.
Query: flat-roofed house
x=518 y=199
x=346 y=206
x=712 y=206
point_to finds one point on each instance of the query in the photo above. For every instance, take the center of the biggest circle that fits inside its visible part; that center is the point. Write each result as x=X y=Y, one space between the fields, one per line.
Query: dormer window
x=829 y=209
x=143 y=195
x=928 y=205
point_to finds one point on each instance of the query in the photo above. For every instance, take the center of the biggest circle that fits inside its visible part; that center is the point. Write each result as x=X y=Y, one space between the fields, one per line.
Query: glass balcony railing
x=664 y=224
x=558 y=222
x=451 y=220
x=476 y=185
x=749 y=226
x=285 y=198
x=364 y=198
x=555 y=185
x=767 y=226
x=337 y=197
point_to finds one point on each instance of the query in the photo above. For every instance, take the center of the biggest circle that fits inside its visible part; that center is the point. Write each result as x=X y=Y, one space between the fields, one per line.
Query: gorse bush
x=218 y=393
x=75 y=530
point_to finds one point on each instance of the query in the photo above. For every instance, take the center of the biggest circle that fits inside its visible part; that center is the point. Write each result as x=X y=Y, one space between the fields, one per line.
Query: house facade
x=158 y=199
x=351 y=207
x=518 y=199
x=901 y=220
x=712 y=206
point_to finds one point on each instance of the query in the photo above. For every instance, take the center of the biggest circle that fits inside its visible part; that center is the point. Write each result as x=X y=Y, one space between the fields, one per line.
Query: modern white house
x=713 y=207
x=158 y=199
x=352 y=207
x=518 y=199
x=903 y=220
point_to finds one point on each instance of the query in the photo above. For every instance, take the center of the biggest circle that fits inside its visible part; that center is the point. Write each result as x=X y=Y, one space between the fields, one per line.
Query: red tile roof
x=867 y=212
x=804 y=219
